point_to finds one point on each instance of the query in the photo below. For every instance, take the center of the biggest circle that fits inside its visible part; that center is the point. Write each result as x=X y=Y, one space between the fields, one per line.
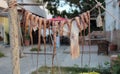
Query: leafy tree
x=80 y=5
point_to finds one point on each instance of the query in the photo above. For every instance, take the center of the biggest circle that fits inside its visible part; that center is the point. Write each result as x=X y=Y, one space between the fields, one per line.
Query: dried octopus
x=28 y=15
x=32 y=23
x=39 y=33
x=44 y=37
x=54 y=41
x=74 y=40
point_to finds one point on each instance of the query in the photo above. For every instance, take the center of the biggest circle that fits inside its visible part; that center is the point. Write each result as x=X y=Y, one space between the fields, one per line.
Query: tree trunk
x=14 y=37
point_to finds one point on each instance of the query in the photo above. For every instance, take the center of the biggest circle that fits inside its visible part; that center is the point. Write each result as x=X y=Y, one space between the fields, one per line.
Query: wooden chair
x=103 y=47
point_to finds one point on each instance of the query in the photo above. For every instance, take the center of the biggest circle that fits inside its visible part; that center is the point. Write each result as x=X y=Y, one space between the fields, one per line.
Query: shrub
x=7 y=37
x=116 y=66
x=34 y=49
x=1 y=54
x=27 y=37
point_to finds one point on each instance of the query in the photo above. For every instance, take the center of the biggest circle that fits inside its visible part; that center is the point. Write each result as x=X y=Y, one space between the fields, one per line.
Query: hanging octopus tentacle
x=88 y=14
x=22 y=24
x=36 y=21
x=31 y=28
x=84 y=27
x=62 y=23
x=86 y=18
x=37 y=25
x=78 y=23
x=44 y=38
x=54 y=41
x=39 y=33
x=81 y=37
x=82 y=21
x=74 y=53
x=28 y=16
x=69 y=26
x=49 y=28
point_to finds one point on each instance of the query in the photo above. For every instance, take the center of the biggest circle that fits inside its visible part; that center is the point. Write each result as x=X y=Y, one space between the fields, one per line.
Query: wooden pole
x=14 y=37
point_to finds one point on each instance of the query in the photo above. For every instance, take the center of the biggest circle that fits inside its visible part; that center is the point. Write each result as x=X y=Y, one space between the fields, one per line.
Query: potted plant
x=27 y=40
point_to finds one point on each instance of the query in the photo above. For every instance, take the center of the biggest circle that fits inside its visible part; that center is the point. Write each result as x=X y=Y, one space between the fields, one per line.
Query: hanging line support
x=100 y=4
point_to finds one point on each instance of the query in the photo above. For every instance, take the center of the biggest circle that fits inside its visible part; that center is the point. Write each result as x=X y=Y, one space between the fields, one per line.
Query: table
x=102 y=44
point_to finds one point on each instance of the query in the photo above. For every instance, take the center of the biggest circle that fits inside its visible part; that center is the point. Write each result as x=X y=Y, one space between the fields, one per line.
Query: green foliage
x=104 y=69
x=89 y=4
x=71 y=70
x=34 y=49
x=107 y=64
x=76 y=66
x=80 y=5
x=116 y=66
x=7 y=37
x=1 y=54
x=27 y=37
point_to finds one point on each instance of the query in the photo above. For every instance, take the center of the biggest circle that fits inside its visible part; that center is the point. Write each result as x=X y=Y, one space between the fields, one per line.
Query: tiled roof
x=34 y=9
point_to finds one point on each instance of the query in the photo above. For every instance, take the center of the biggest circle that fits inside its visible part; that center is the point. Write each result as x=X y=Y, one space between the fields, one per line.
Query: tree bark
x=14 y=37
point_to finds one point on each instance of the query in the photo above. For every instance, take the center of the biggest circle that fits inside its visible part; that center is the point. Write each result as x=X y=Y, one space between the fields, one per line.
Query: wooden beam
x=30 y=4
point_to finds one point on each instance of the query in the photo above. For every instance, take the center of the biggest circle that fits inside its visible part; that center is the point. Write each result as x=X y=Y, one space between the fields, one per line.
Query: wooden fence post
x=14 y=35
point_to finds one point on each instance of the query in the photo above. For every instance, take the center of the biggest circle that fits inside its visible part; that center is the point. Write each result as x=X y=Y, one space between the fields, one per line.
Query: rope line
x=14 y=3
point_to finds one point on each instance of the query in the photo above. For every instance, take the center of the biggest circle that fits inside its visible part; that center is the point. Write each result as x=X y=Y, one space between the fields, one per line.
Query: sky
x=64 y=6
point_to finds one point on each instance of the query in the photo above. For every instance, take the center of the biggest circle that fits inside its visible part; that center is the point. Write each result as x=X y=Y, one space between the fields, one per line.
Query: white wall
x=119 y=17
x=110 y=22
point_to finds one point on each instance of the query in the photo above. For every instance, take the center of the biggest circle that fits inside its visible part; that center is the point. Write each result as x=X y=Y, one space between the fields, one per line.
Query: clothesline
x=96 y=6
x=71 y=18
x=100 y=5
